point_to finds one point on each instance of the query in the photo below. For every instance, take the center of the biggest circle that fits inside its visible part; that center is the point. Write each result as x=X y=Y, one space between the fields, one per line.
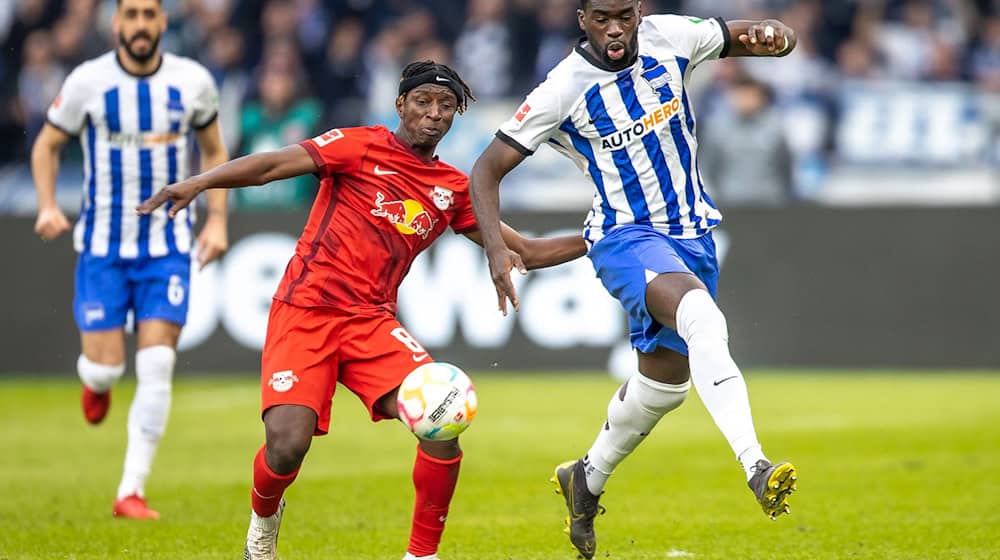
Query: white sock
x=410 y=556
x=98 y=377
x=147 y=417
x=716 y=377
x=748 y=460
x=633 y=411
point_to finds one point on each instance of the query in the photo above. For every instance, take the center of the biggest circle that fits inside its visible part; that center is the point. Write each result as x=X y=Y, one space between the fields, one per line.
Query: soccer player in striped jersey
x=132 y=109
x=617 y=106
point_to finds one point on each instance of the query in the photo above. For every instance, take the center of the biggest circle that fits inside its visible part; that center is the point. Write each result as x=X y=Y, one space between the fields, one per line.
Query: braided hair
x=423 y=66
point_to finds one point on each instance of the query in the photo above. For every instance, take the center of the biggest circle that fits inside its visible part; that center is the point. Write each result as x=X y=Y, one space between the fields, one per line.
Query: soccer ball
x=437 y=401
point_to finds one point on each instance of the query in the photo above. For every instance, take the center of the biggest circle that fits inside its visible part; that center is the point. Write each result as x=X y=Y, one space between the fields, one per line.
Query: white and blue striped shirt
x=631 y=131
x=134 y=133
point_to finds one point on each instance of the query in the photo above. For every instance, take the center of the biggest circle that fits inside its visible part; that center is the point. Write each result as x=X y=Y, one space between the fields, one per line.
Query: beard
x=141 y=58
x=631 y=50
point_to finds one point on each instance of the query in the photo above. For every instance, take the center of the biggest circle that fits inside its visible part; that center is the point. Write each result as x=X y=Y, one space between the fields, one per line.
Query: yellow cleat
x=772 y=485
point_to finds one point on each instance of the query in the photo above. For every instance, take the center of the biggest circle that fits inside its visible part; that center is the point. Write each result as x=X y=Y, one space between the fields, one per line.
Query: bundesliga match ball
x=437 y=401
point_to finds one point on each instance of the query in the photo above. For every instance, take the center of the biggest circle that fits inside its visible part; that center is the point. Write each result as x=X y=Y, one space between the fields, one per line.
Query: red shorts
x=307 y=351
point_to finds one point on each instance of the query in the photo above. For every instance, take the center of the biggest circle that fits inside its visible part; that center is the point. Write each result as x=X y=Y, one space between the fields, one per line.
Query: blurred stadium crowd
x=287 y=69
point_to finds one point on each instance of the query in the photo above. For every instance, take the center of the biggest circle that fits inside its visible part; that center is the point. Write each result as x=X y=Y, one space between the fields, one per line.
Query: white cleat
x=262 y=536
x=412 y=557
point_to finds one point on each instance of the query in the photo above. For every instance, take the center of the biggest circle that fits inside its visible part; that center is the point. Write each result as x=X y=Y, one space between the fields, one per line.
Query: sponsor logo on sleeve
x=328 y=137
x=522 y=112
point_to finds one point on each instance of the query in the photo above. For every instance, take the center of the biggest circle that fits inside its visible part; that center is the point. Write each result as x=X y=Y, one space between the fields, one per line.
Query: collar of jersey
x=122 y=66
x=594 y=61
x=409 y=150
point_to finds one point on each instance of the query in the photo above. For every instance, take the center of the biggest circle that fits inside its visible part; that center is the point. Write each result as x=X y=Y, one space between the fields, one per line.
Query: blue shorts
x=629 y=256
x=108 y=287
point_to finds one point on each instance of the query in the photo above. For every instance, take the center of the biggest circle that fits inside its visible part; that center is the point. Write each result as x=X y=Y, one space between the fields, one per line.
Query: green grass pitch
x=891 y=466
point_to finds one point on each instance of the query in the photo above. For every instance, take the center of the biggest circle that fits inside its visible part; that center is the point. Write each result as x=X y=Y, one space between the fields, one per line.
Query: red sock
x=268 y=487
x=434 y=480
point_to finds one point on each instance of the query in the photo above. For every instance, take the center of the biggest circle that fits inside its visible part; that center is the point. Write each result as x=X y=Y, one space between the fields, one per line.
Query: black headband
x=432 y=77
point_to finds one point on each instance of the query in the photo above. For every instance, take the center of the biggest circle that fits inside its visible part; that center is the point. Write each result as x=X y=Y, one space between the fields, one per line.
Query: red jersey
x=379 y=205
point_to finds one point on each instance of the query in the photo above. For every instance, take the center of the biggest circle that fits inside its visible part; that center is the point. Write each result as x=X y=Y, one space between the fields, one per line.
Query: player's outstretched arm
x=484 y=188
x=539 y=252
x=51 y=221
x=769 y=37
x=256 y=169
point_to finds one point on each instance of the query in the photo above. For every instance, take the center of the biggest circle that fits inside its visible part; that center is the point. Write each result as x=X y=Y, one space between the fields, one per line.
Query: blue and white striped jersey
x=631 y=131
x=134 y=135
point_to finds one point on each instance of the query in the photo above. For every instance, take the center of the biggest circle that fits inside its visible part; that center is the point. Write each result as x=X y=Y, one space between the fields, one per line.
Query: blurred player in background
x=132 y=108
x=617 y=107
x=384 y=197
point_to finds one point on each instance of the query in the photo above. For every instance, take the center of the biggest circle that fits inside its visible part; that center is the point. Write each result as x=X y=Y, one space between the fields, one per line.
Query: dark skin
x=426 y=114
x=611 y=28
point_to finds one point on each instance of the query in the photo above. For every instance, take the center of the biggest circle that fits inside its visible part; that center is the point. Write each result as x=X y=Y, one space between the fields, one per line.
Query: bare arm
x=538 y=252
x=213 y=240
x=256 y=169
x=484 y=187
x=769 y=37
x=51 y=222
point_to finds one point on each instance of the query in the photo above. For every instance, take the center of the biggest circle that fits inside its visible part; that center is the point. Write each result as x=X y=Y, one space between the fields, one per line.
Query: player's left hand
x=767 y=38
x=502 y=262
x=179 y=194
x=213 y=240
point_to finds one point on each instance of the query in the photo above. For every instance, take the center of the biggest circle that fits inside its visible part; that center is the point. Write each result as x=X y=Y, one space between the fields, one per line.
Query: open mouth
x=616 y=50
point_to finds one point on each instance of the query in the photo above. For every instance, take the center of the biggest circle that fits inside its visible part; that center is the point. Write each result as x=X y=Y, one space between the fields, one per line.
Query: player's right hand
x=51 y=223
x=179 y=194
x=502 y=261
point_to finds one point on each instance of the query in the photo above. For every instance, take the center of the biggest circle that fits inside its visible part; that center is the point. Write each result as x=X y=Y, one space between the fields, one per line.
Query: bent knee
x=289 y=434
x=448 y=449
x=699 y=317
x=285 y=453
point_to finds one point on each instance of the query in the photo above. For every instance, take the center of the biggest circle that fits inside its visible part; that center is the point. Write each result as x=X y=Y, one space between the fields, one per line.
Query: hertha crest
x=657 y=77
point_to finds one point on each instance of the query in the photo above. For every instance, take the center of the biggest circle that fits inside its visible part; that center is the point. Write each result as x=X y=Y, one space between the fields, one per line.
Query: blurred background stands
x=883 y=102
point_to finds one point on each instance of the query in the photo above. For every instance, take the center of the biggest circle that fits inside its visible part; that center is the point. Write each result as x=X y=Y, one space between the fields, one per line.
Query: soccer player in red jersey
x=384 y=197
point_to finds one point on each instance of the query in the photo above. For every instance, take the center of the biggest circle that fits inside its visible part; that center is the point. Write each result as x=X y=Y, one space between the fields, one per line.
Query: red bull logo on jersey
x=641 y=127
x=409 y=216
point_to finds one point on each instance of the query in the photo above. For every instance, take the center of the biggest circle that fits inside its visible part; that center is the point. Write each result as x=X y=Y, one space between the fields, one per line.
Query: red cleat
x=133 y=507
x=95 y=405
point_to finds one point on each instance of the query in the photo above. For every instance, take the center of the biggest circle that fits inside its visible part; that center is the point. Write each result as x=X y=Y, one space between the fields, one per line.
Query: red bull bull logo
x=408 y=215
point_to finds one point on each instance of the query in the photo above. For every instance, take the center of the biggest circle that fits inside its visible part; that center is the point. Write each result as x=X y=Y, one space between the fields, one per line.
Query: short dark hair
x=422 y=66
x=119 y=2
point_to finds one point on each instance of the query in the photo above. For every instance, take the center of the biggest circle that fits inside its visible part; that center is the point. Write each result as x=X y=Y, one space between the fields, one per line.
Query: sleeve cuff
x=466 y=229
x=514 y=144
x=726 y=39
x=313 y=152
x=208 y=122
x=60 y=127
